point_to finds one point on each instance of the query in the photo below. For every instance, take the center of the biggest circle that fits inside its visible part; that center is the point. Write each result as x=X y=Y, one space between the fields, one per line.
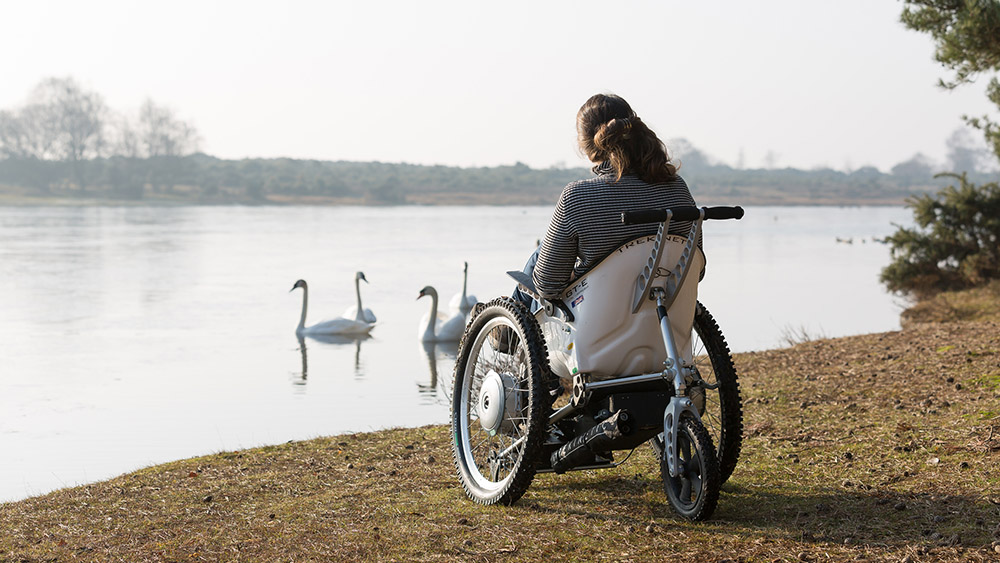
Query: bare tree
x=14 y=142
x=681 y=150
x=27 y=142
x=919 y=168
x=66 y=122
x=125 y=141
x=161 y=133
x=771 y=160
x=29 y=133
x=162 y=138
x=964 y=153
x=127 y=172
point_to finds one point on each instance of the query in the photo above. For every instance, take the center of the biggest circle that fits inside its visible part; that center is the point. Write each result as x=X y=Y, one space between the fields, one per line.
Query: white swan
x=460 y=301
x=357 y=312
x=333 y=326
x=437 y=326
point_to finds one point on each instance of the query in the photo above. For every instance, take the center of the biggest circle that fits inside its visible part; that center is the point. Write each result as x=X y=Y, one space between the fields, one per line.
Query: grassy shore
x=882 y=447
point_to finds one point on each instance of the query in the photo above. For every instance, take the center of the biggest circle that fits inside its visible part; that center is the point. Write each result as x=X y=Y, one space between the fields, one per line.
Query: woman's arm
x=558 y=252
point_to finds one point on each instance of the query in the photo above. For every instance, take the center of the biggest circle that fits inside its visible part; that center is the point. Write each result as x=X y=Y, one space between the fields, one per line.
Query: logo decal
x=577 y=289
x=577 y=301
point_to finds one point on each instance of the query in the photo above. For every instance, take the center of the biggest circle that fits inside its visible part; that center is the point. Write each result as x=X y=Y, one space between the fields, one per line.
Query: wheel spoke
x=694 y=488
x=685 y=493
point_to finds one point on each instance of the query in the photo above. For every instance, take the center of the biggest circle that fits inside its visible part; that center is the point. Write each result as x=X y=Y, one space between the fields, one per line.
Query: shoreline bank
x=880 y=446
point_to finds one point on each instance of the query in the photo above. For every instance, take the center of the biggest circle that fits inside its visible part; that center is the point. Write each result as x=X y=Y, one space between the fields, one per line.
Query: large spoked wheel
x=718 y=399
x=694 y=492
x=498 y=405
x=721 y=408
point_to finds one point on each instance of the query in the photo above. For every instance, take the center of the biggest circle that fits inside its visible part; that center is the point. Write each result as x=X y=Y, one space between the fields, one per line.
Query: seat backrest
x=605 y=339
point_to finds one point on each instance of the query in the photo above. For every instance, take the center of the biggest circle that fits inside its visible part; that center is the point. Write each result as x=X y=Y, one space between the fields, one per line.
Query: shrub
x=954 y=244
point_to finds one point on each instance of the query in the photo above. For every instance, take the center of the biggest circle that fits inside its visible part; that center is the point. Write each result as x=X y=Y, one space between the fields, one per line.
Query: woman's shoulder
x=583 y=186
x=583 y=193
x=675 y=180
x=585 y=183
x=601 y=183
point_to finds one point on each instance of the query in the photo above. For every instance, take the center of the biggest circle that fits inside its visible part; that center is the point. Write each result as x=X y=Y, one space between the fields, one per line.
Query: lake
x=137 y=335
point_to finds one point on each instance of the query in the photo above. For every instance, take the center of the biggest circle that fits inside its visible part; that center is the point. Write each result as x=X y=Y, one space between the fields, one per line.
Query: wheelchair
x=645 y=360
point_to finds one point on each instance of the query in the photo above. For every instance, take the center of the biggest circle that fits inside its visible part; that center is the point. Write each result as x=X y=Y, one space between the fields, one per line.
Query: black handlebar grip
x=722 y=212
x=644 y=216
x=640 y=216
x=685 y=213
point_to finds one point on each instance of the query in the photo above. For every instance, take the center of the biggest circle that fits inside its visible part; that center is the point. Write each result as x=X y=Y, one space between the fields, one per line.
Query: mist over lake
x=137 y=335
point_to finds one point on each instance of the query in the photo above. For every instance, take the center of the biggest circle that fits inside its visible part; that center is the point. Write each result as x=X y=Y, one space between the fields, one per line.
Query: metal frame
x=675 y=370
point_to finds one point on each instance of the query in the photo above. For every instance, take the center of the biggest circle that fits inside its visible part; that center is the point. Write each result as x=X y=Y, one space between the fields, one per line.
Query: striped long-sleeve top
x=586 y=224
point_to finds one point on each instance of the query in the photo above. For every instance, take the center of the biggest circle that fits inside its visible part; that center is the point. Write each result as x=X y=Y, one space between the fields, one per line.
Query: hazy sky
x=820 y=83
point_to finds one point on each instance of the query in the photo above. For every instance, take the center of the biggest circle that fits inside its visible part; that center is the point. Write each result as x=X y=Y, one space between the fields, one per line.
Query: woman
x=633 y=171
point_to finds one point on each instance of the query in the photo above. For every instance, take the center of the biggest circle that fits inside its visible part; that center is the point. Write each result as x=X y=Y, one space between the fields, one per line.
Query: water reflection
x=304 y=374
x=440 y=360
x=334 y=340
x=78 y=290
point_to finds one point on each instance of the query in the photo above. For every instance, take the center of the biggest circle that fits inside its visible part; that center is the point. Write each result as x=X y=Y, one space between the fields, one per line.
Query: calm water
x=134 y=336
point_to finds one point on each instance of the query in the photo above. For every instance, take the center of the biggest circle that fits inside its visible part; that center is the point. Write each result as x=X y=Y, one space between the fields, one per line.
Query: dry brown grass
x=881 y=447
x=977 y=304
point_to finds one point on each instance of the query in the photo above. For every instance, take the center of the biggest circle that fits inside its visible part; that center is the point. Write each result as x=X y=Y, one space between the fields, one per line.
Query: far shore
x=427 y=199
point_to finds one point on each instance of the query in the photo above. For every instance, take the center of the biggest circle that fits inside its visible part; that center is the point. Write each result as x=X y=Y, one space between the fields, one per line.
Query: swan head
x=427 y=290
x=466 y=268
x=360 y=276
x=298 y=284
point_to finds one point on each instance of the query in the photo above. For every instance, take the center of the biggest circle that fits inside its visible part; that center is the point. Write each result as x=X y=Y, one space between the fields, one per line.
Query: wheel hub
x=696 y=391
x=496 y=401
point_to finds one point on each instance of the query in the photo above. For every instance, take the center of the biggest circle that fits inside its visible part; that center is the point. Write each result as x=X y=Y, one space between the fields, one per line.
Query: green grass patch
x=989 y=380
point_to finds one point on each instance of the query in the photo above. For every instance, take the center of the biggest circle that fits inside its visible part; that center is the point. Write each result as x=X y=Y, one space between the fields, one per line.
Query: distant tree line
x=65 y=142
x=65 y=138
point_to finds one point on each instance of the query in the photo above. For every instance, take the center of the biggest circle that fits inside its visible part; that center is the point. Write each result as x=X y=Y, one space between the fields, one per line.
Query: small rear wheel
x=499 y=403
x=694 y=492
x=718 y=397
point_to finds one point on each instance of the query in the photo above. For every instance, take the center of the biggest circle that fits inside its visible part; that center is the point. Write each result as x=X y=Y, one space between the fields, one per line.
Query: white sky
x=820 y=83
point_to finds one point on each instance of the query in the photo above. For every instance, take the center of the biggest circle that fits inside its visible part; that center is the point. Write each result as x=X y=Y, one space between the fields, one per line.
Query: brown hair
x=609 y=131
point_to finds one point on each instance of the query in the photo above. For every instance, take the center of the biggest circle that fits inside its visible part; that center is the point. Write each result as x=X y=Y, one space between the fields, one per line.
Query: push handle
x=724 y=212
x=686 y=213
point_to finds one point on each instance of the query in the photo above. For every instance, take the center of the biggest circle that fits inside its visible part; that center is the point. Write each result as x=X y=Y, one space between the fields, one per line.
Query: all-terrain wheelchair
x=646 y=360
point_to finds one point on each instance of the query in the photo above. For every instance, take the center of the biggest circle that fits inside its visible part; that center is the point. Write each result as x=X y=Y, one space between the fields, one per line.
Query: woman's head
x=609 y=131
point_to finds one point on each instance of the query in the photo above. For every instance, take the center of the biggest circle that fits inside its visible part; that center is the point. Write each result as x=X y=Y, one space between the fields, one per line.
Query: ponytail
x=609 y=131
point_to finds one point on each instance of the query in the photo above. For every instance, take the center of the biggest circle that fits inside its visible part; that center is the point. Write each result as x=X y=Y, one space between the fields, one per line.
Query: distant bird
x=356 y=312
x=333 y=326
x=460 y=301
x=437 y=326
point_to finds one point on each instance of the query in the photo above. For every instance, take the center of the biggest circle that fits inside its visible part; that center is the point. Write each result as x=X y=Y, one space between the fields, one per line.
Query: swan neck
x=357 y=289
x=434 y=313
x=305 y=305
x=465 y=282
